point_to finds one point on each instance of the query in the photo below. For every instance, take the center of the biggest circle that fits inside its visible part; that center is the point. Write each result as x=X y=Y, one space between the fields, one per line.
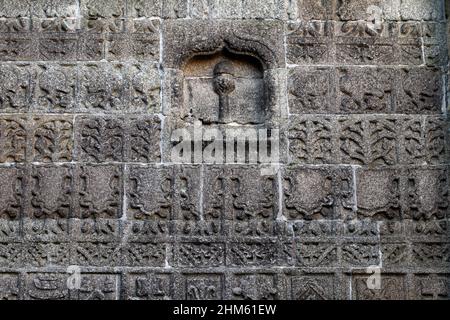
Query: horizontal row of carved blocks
x=376 y=140
x=213 y=193
x=244 y=285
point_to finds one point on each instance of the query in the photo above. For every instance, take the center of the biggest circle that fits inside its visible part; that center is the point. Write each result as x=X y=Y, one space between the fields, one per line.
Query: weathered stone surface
x=311 y=90
x=97 y=287
x=309 y=43
x=51 y=192
x=261 y=39
x=52 y=139
x=37 y=286
x=148 y=286
x=13 y=139
x=143 y=9
x=318 y=159
x=55 y=88
x=17 y=47
x=433 y=37
x=394 y=194
x=423 y=141
x=249 y=286
x=99 y=189
x=174 y=9
x=207 y=286
x=419 y=91
x=421 y=10
x=144 y=134
x=316 y=193
x=100 y=139
x=364 y=9
x=143 y=44
x=392 y=288
x=369 y=141
x=102 y=87
x=310 y=140
x=12 y=9
x=358 y=43
x=365 y=90
x=145 y=87
x=102 y=9
x=316 y=254
x=15 y=88
x=91 y=47
x=12 y=192
x=96 y=254
x=314 y=10
x=91 y=229
x=40 y=254
x=9 y=288
x=199 y=255
x=54 y=9
x=144 y=254
x=312 y=287
x=379 y=195
x=431 y=286
x=408 y=36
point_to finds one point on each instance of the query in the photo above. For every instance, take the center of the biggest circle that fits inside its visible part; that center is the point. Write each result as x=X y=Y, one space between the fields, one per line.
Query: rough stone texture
x=91 y=91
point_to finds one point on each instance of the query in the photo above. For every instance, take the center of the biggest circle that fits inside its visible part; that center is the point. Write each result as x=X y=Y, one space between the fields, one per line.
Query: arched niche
x=191 y=52
x=225 y=88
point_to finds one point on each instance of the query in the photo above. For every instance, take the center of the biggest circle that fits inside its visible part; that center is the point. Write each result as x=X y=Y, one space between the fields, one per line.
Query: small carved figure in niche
x=224 y=84
x=224 y=88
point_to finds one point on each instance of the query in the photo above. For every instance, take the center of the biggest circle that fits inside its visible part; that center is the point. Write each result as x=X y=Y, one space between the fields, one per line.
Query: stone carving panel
x=202 y=287
x=312 y=287
x=316 y=194
x=15 y=87
x=341 y=109
x=153 y=286
x=53 y=140
x=12 y=192
x=233 y=84
x=308 y=43
x=392 y=288
x=311 y=140
x=55 y=88
x=13 y=139
x=9 y=288
x=420 y=91
x=253 y=287
x=97 y=287
x=100 y=139
x=99 y=190
x=365 y=90
x=46 y=286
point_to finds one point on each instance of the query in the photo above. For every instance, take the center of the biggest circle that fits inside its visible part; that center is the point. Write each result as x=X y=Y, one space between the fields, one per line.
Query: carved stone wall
x=92 y=91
